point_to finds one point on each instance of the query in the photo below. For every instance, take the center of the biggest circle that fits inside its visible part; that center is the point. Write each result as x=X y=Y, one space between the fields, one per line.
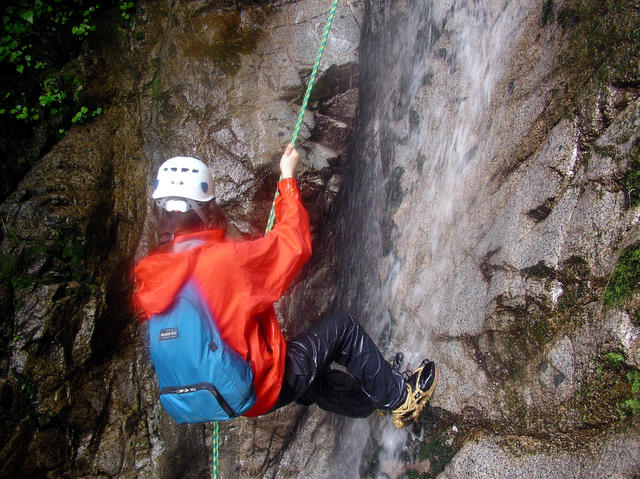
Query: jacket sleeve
x=269 y=264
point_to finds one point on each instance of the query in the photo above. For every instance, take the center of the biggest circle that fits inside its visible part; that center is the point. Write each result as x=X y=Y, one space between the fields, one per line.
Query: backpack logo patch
x=168 y=333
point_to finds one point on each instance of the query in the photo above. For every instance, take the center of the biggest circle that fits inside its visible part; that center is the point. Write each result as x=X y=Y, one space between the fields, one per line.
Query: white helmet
x=183 y=177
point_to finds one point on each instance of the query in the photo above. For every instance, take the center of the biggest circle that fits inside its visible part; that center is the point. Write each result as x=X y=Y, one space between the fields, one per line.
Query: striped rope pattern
x=314 y=72
x=303 y=108
x=216 y=447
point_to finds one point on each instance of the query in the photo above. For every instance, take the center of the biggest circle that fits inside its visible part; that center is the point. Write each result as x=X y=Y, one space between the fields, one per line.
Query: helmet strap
x=196 y=207
x=169 y=223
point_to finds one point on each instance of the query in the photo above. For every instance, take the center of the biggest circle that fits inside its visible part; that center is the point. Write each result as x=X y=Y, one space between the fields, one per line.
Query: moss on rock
x=624 y=284
x=604 y=39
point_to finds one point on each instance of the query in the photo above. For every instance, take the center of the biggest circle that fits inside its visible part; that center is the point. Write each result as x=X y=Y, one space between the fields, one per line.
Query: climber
x=240 y=281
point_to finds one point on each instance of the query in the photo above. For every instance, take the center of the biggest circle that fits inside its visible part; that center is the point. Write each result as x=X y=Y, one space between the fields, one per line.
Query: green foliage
x=37 y=39
x=26 y=385
x=625 y=279
x=125 y=9
x=631 y=406
x=52 y=97
x=83 y=114
x=85 y=26
x=614 y=358
x=624 y=388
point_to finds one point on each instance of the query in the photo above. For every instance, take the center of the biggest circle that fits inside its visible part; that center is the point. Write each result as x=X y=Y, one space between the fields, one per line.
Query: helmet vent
x=174 y=169
x=184 y=169
x=195 y=171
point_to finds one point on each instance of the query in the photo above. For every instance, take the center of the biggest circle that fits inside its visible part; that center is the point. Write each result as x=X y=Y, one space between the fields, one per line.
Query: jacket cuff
x=288 y=187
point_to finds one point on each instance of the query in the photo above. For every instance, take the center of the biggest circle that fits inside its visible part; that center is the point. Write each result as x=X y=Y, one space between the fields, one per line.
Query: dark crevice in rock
x=334 y=81
x=542 y=211
x=486 y=268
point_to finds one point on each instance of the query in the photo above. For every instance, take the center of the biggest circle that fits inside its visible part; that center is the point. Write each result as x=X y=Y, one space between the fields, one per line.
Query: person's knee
x=346 y=321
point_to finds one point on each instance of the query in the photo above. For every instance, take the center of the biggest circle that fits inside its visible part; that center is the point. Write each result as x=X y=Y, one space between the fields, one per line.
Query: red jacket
x=240 y=281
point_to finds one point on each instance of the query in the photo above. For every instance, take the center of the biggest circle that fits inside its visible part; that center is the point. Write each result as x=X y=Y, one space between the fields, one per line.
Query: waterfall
x=413 y=205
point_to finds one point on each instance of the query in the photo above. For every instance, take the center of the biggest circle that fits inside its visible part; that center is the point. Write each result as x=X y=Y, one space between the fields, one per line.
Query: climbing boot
x=420 y=385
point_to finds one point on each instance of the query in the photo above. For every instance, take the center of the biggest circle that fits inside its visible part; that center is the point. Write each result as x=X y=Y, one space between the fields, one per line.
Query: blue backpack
x=201 y=377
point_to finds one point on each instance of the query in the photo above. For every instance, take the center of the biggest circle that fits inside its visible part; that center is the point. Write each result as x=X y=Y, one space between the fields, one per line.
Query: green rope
x=314 y=72
x=303 y=108
x=216 y=446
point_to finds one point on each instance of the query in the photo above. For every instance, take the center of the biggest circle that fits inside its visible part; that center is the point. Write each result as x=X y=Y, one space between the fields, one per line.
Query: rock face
x=471 y=171
x=207 y=79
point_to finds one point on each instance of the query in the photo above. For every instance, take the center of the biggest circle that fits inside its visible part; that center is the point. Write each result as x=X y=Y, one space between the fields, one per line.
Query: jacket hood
x=159 y=276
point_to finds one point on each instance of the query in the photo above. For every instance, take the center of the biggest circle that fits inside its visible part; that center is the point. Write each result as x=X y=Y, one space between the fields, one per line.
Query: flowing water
x=430 y=72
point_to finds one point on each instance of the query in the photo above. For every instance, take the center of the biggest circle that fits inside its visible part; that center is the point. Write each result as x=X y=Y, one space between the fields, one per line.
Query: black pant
x=308 y=378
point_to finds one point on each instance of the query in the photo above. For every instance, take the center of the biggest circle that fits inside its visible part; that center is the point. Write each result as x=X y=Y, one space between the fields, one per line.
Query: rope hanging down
x=303 y=108
x=216 y=446
x=272 y=216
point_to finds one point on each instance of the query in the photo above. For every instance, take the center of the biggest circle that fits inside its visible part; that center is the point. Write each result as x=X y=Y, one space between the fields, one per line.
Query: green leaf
x=27 y=15
x=20 y=68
